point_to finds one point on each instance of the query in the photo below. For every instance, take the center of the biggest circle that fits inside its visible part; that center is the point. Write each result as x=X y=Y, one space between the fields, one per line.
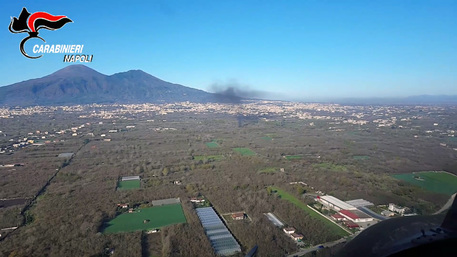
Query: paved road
x=316 y=247
x=372 y=213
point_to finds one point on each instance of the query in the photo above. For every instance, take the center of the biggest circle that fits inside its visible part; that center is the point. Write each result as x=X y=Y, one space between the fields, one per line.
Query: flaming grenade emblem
x=31 y=23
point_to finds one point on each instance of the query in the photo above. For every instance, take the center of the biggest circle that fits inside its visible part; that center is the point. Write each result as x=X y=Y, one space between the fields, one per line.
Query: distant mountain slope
x=78 y=84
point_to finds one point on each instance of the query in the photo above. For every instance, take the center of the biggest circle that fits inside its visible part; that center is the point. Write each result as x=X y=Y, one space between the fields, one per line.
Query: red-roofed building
x=296 y=236
x=350 y=224
x=355 y=216
x=338 y=217
x=238 y=216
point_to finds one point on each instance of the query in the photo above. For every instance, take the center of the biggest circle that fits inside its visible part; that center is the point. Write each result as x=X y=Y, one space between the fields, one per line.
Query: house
x=131 y=210
x=289 y=230
x=296 y=236
x=123 y=205
x=387 y=213
x=238 y=216
x=197 y=200
x=398 y=209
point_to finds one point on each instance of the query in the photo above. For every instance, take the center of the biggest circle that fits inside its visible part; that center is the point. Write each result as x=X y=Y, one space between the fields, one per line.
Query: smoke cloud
x=233 y=92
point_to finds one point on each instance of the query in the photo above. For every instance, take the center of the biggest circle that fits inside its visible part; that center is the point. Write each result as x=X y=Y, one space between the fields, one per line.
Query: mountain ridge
x=79 y=84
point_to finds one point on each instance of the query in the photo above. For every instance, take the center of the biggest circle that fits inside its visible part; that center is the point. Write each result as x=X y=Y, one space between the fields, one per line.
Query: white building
x=334 y=203
x=398 y=209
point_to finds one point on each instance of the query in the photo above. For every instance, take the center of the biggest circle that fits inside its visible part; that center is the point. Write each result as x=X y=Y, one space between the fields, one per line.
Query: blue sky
x=293 y=49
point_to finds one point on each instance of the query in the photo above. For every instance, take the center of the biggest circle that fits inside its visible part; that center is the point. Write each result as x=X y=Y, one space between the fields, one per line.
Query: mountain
x=78 y=84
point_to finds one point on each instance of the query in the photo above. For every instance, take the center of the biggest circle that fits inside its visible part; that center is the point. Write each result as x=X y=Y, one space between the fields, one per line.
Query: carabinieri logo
x=32 y=23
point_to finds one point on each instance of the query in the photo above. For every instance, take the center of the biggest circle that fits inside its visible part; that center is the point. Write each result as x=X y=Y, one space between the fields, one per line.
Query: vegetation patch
x=269 y=170
x=434 y=181
x=208 y=157
x=293 y=157
x=267 y=138
x=292 y=199
x=146 y=219
x=128 y=184
x=244 y=151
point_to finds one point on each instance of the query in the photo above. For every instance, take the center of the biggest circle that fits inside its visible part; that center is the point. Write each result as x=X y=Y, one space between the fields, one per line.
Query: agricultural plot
x=267 y=138
x=244 y=151
x=146 y=219
x=293 y=157
x=292 y=199
x=128 y=184
x=434 y=181
x=212 y=144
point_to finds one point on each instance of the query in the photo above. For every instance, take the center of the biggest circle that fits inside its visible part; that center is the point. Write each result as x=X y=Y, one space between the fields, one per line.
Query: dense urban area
x=214 y=179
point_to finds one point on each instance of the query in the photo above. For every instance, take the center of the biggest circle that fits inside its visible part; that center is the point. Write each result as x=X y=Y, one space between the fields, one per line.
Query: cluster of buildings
x=290 y=231
x=347 y=212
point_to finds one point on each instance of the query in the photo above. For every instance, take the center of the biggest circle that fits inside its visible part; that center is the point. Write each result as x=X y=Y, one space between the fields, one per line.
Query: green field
x=438 y=182
x=286 y=196
x=129 y=184
x=360 y=157
x=269 y=170
x=212 y=144
x=293 y=157
x=267 y=138
x=244 y=151
x=159 y=216
x=208 y=157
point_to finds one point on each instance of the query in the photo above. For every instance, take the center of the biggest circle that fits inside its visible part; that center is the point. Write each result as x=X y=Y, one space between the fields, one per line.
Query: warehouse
x=334 y=203
x=355 y=216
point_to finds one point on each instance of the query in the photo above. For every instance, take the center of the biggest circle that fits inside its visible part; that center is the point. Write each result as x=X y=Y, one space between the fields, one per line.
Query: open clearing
x=128 y=184
x=286 y=196
x=244 y=151
x=158 y=216
x=435 y=181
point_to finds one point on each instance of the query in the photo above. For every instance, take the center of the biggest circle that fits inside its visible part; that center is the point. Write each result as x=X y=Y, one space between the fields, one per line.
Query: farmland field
x=438 y=182
x=129 y=184
x=244 y=151
x=159 y=216
x=212 y=144
x=292 y=199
